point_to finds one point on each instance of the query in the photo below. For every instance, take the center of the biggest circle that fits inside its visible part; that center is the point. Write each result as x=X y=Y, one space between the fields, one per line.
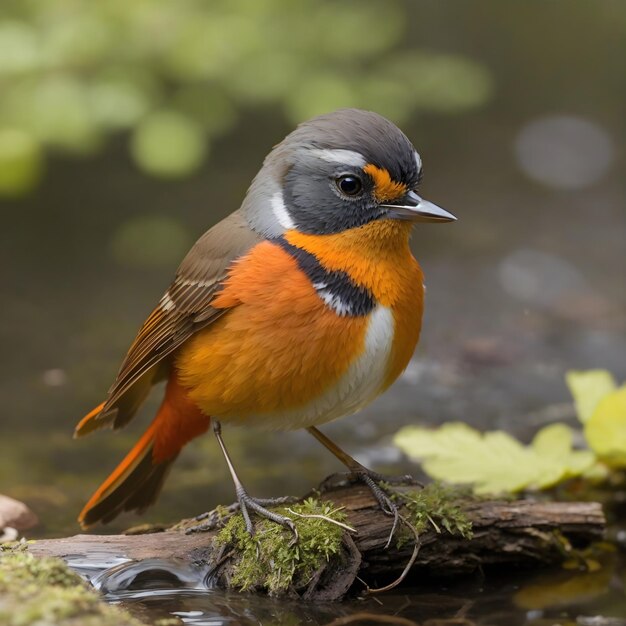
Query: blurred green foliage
x=176 y=74
x=150 y=241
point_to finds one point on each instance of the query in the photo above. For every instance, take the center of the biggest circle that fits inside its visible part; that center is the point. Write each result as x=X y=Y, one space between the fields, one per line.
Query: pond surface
x=573 y=595
x=530 y=282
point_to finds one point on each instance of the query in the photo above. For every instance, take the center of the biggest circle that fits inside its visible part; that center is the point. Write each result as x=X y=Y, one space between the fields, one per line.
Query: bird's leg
x=246 y=502
x=366 y=476
x=354 y=466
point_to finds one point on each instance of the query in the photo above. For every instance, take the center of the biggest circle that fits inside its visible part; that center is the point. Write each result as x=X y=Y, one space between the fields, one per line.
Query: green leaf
x=606 y=428
x=169 y=145
x=55 y=111
x=21 y=162
x=495 y=462
x=19 y=48
x=588 y=388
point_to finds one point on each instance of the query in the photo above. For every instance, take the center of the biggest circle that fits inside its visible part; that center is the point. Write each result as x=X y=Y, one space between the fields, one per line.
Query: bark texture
x=517 y=533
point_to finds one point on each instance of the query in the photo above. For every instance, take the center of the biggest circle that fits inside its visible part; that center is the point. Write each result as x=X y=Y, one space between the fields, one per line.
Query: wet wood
x=516 y=533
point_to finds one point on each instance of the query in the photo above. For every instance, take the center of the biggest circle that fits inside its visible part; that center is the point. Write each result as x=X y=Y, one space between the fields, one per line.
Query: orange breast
x=378 y=257
x=280 y=346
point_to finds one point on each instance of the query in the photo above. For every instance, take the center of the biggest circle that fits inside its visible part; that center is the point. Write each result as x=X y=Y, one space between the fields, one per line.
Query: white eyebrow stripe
x=344 y=157
x=418 y=161
x=280 y=211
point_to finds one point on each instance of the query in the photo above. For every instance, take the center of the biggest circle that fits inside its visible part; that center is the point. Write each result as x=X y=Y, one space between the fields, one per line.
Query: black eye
x=349 y=184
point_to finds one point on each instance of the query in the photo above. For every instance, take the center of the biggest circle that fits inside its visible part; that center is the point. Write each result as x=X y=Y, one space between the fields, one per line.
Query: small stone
x=8 y=534
x=16 y=514
x=487 y=351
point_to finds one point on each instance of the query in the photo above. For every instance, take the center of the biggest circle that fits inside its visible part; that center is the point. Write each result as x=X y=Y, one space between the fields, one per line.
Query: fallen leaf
x=588 y=389
x=606 y=429
x=495 y=462
x=555 y=442
x=557 y=589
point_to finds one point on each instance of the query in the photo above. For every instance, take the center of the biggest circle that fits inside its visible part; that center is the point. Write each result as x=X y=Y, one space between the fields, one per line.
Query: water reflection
x=156 y=589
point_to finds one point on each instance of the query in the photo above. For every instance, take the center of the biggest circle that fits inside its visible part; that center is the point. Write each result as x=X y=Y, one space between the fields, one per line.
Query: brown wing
x=184 y=309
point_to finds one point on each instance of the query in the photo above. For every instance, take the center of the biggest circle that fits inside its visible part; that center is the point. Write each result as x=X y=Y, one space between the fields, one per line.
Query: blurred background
x=127 y=128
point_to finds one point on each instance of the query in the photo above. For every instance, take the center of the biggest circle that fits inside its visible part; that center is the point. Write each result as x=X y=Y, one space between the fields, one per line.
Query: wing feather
x=184 y=309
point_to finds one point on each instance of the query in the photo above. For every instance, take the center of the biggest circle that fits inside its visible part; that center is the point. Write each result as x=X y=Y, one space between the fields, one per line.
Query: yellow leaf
x=606 y=429
x=495 y=462
x=563 y=588
x=588 y=388
x=555 y=442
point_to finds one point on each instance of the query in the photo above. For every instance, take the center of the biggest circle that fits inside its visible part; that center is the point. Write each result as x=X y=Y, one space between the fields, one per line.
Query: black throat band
x=338 y=291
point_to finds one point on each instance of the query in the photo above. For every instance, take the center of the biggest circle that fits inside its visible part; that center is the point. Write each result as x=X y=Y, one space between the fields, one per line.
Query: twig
x=408 y=566
x=326 y=518
x=432 y=521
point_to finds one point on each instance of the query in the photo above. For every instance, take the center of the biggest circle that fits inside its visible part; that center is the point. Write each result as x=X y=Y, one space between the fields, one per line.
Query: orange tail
x=84 y=426
x=136 y=482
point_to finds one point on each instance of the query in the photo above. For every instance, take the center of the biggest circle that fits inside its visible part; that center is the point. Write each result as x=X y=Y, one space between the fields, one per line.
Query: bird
x=299 y=308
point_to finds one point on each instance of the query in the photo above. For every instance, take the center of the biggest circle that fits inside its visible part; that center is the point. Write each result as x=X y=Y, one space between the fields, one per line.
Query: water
x=155 y=589
x=529 y=283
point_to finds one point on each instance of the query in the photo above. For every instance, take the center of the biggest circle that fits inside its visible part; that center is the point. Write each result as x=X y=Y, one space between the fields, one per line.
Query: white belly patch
x=361 y=383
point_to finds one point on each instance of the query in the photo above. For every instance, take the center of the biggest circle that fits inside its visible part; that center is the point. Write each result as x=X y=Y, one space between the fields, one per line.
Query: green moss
x=44 y=591
x=437 y=505
x=268 y=561
x=222 y=513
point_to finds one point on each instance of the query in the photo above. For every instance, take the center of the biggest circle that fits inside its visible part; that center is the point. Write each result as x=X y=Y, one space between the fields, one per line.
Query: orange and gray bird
x=299 y=308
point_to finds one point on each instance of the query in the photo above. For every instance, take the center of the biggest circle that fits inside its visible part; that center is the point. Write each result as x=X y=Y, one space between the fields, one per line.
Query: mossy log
x=512 y=533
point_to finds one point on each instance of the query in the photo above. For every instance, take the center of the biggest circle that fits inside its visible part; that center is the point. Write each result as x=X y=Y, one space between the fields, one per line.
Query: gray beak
x=415 y=209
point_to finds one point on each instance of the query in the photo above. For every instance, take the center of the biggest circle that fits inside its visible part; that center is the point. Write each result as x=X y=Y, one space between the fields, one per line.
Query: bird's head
x=339 y=171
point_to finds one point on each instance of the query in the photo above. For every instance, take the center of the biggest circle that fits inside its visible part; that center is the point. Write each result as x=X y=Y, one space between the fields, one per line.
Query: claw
x=387 y=506
x=247 y=503
x=294 y=530
x=210 y=520
x=371 y=479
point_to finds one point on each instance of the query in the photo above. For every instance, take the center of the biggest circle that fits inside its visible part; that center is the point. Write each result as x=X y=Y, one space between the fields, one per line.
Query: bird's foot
x=373 y=481
x=218 y=517
x=341 y=479
x=212 y=519
x=380 y=487
x=258 y=506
